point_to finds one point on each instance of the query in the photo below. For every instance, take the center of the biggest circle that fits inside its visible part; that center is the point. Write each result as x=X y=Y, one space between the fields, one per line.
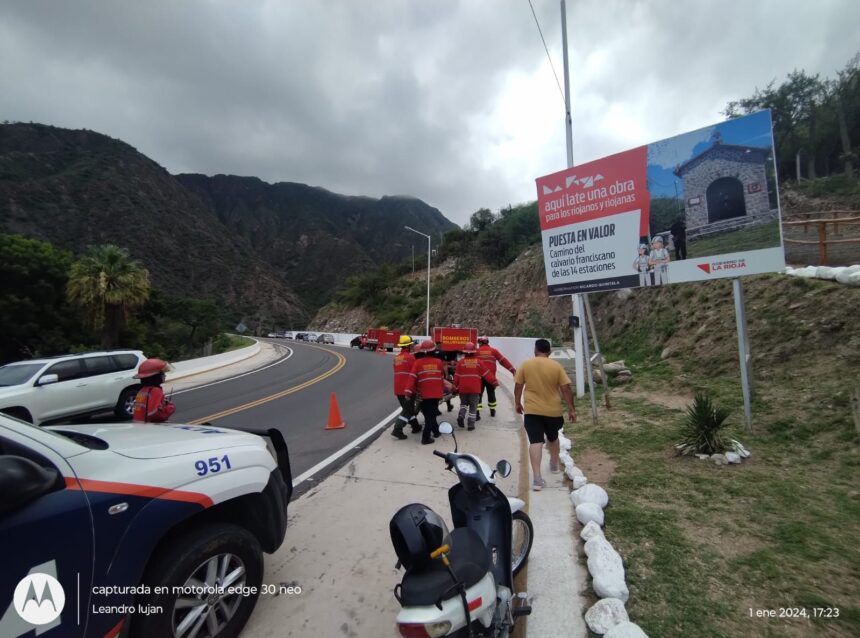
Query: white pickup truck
x=144 y=530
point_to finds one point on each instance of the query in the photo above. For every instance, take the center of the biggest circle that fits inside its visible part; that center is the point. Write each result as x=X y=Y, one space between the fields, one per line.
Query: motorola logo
x=39 y=599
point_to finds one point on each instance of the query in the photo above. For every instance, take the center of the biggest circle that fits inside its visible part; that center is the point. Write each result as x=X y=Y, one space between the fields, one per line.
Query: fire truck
x=379 y=339
x=449 y=342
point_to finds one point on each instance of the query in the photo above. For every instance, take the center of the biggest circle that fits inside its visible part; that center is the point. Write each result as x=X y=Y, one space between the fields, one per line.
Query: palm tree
x=107 y=283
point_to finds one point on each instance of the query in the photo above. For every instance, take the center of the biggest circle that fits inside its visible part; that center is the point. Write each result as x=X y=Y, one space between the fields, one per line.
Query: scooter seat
x=469 y=560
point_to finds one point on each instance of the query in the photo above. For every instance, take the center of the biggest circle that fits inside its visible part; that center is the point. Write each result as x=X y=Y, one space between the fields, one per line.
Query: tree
x=34 y=317
x=106 y=283
x=481 y=219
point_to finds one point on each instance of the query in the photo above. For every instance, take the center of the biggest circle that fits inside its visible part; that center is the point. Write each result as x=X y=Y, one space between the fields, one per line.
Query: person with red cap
x=150 y=404
x=488 y=356
x=469 y=377
x=428 y=381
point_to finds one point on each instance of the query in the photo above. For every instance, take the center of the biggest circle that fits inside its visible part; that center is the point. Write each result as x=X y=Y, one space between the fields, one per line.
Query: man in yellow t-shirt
x=543 y=379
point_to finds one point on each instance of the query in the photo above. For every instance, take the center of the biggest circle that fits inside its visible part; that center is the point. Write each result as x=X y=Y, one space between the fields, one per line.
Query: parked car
x=273 y=335
x=51 y=389
x=358 y=342
x=287 y=335
x=301 y=336
x=129 y=518
x=325 y=338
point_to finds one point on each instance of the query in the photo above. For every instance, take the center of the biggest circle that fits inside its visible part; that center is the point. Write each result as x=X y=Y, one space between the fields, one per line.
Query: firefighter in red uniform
x=403 y=363
x=428 y=382
x=150 y=404
x=469 y=378
x=488 y=356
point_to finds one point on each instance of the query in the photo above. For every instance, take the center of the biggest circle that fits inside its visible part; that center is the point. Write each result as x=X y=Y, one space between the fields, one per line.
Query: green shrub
x=703 y=429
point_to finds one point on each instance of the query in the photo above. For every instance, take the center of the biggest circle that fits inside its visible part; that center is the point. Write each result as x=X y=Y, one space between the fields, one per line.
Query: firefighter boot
x=416 y=427
x=397 y=431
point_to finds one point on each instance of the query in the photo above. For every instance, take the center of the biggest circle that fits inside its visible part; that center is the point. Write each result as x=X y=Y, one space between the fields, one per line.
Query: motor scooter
x=460 y=583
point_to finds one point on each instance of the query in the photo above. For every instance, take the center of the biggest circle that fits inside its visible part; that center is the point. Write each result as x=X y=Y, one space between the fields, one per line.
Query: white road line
x=238 y=376
x=349 y=446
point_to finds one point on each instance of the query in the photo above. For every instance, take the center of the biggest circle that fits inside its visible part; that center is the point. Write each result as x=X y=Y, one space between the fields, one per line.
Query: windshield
x=19 y=373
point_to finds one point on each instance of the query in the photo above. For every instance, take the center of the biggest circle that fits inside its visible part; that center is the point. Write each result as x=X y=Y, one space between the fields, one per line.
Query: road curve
x=293 y=396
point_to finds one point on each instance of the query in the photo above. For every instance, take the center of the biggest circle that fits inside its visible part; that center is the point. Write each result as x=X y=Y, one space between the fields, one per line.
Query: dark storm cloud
x=449 y=101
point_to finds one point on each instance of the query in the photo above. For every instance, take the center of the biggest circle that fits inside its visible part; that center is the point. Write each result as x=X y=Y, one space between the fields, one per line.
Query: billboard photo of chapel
x=714 y=190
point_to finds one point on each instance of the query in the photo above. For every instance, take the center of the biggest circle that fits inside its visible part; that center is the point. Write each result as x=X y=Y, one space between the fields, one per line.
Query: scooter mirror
x=446 y=428
x=503 y=468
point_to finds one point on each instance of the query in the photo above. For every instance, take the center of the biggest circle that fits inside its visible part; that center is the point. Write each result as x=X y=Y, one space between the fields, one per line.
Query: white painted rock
x=591 y=530
x=826 y=272
x=845 y=275
x=702 y=457
x=564 y=442
x=587 y=512
x=590 y=493
x=579 y=481
x=606 y=569
x=854 y=280
x=733 y=457
x=610 y=585
x=719 y=459
x=605 y=614
x=597 y=543
x=625 y=630
x=740 y=449
x=806 y=273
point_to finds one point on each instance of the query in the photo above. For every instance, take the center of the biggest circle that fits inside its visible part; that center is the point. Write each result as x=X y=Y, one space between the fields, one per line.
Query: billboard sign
x=698 y=206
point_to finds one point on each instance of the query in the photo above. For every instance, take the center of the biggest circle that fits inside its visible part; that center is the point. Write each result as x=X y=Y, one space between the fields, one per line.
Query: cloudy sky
x=452 y=101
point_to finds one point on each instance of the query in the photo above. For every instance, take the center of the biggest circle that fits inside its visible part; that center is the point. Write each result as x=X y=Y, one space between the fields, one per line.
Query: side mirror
x=45 y=379
x=503 y=468
x=23 y=481
x=446 y=428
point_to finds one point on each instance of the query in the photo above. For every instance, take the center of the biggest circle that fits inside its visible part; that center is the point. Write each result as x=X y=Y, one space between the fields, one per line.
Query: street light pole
x=428 y=273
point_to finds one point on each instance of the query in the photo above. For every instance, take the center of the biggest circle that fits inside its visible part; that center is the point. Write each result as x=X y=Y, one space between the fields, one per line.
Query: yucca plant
x=703 y=431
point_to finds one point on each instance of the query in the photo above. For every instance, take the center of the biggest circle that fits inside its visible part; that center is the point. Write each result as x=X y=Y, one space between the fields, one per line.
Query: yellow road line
x=341 y=362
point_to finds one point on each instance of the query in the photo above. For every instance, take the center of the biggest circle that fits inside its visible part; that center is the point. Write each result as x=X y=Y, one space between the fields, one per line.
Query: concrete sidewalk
x=338 y=548
x=556 y=578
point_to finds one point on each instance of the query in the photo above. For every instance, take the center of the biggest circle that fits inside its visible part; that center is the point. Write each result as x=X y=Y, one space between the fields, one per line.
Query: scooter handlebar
x=441 y=455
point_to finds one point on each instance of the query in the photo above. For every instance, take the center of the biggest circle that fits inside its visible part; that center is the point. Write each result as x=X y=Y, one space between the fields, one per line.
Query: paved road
x=293 y=396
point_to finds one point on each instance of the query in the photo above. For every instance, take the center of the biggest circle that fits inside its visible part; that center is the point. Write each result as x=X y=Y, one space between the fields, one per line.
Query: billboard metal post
x=597 y=352
x=589 y=370
x=743 y=351
x=579 y=345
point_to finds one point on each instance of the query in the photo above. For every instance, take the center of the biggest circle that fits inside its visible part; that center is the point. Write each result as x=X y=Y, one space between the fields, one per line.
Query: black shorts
x=538 y=426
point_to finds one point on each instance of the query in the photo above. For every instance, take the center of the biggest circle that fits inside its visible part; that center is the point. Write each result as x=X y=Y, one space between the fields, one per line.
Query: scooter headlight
x=465 y=466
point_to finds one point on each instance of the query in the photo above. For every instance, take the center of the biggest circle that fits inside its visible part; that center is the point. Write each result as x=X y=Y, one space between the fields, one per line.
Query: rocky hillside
x=77 y=188
x=314 y=236
x=272 y=253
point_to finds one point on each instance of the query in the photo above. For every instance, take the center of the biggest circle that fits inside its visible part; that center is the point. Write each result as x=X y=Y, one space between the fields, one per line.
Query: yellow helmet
x=405 y=341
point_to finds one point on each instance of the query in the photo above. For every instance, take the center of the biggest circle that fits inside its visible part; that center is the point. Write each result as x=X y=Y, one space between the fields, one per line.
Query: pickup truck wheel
x=124 y=408
x=213 y=577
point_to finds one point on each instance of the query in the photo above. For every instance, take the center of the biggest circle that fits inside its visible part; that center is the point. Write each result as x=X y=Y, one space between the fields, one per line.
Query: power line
x=558 y=84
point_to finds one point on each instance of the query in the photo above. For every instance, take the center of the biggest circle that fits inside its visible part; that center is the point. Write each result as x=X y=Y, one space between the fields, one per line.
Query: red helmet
x=151 y=367
x=428 y=345
x=469 y=348
x=483 y=339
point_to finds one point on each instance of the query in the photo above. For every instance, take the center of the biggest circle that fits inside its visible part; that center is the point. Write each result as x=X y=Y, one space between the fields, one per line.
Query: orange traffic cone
x=334 y=420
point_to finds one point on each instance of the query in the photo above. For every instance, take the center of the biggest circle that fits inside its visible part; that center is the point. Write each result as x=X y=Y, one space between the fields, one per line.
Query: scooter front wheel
x=523 y=537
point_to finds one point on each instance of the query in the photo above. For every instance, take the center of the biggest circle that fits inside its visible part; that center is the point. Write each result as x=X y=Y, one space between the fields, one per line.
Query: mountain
x=271 y=253
x=316 y=237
